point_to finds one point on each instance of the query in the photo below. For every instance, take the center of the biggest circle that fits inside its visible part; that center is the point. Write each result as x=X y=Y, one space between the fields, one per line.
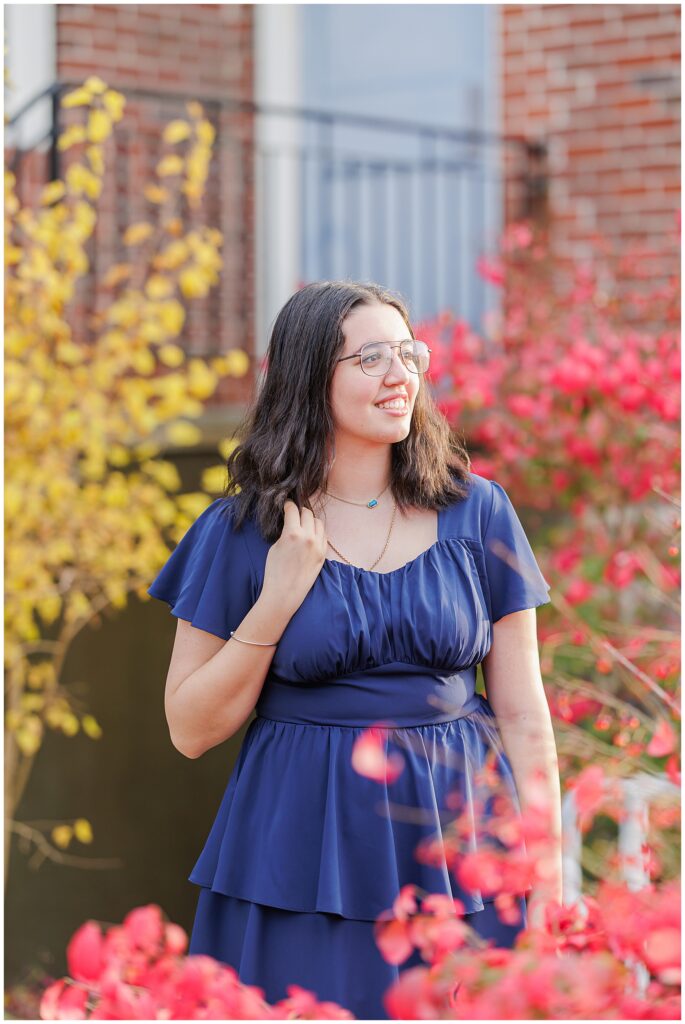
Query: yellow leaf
x=158 y=287
x=176 y=131
x=118 y=455
x=136 y=233
x=192 y=504
x=193 y=283
x=62 y=835
x=114 y=102
x=29 y=735
x=151 y=331
x=174 y=226
x=226 y=447
x=81 y=180
x=172 y=315
x=32 y=701
x=41 y=674
x=206 y=132
x=12 y=719
x=94 y=154
x=171 y=355
x=91 y=727
x=84 y=218
x=14 y=495
x=83 y=830
x=238 y=362
x=183 y=434
x=156 y=193
x=57 y=489
x=69 y=353
x=95 y=85
x=164 y=473
x=73 y=135
x=193 y=192
x=147 y=450
x=124 y=313
x=92 y=469
x=143 y=361
x=117 y=595
x=79 y=606
x=53 y=191
x=99 y=126
x=49 y=608
x=116 y=493
x=172 y=256
x=116 y=273
x=78 y=98
x=62 y=550
x=70 y=724
x=207 y=256
x=202 y=379
x=54 y=714
x=214 y=479
x=197 y=165
x=171 y=164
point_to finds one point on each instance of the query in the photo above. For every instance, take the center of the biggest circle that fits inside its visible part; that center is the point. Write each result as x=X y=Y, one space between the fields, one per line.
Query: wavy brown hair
x=288 y=431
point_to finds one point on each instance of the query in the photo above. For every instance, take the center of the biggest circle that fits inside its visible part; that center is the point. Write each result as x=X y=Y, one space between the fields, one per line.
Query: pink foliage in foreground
x=137 y=971
x=572 y=969
x=579 y=966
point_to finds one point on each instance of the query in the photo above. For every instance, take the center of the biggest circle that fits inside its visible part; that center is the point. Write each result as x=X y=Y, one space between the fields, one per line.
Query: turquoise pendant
x=372 y=503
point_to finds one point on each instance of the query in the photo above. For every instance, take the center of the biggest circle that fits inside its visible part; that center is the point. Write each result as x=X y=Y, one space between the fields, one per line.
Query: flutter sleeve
x=208 y=579
x=514 y=577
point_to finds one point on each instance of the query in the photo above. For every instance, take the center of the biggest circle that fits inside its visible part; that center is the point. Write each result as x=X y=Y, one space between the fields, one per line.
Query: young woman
x=355 y=573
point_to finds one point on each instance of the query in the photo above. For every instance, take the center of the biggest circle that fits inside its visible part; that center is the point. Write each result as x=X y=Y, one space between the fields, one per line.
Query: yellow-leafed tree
x=88 y=503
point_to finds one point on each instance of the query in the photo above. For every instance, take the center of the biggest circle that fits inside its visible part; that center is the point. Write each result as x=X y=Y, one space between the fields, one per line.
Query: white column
x=278 y=228
x=31 y=62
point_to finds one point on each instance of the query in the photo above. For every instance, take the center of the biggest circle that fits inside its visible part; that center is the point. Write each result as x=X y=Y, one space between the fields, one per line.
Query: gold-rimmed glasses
x=375 y=358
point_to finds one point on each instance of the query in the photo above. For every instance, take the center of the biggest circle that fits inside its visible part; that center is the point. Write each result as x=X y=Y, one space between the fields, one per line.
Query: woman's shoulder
x=221 y=517
x=470 y=514
x=221 y=509
x=209 y=577
x=480 y=487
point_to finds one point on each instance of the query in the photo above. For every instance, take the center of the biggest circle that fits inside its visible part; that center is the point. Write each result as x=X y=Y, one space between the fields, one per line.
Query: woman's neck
x=358 y=477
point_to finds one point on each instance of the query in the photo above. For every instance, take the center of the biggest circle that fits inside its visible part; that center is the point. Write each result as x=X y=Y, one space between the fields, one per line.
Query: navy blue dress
x=305 y=852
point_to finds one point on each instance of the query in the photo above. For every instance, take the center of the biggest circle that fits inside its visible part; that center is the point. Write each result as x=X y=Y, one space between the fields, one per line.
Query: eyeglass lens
x=376 y=359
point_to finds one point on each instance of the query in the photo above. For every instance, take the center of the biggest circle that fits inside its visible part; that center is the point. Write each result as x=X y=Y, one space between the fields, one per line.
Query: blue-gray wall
x=419 y=231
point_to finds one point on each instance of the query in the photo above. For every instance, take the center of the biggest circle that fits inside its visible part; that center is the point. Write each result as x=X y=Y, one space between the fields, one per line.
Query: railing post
x=54 y=161
x=633 y=833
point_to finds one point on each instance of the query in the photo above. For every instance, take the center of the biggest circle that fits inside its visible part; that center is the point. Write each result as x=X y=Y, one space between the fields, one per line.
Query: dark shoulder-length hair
x=288 y=435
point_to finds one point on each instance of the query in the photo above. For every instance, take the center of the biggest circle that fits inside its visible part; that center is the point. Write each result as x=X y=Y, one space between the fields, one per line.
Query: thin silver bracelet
x=256 y=642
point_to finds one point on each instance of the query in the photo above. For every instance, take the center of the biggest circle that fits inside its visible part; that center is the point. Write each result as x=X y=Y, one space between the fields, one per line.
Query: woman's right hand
x=296 y=558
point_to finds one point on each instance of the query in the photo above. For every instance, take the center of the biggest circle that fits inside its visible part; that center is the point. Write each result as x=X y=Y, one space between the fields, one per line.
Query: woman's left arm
x=513 y=682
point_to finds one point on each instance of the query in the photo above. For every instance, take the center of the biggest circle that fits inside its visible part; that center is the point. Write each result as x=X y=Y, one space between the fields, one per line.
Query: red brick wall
x=194 y=48
x=600 y=84
x=196 y=52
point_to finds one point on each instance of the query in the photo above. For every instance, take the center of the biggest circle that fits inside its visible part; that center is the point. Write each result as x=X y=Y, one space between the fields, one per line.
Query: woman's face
x=355 y=395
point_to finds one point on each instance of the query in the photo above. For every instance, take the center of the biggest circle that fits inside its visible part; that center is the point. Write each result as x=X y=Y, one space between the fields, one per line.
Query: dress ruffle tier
x=299 y=828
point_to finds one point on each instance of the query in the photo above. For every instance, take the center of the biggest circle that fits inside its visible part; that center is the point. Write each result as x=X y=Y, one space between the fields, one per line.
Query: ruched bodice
x=429 y=613
x=299 y=827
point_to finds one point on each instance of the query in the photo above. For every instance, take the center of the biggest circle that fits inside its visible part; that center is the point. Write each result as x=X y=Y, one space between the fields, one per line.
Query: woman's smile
x=395 y=409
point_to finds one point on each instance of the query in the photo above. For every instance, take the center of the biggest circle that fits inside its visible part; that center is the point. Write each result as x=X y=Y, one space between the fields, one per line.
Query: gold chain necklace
x=367 y=504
